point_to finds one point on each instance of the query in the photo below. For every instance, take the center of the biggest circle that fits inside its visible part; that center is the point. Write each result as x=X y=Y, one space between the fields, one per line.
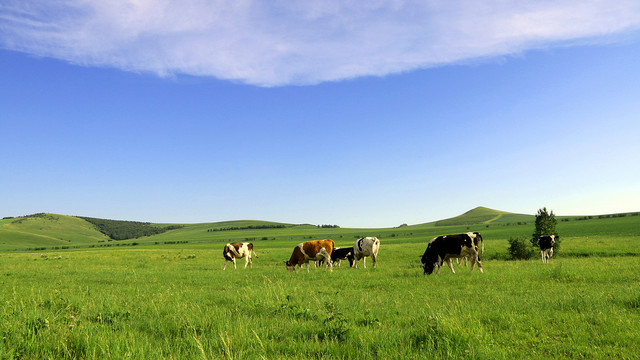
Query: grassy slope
x=609 y=236
x=483 y=215
x=169 y=303
x=174 y=301
x=49 y=230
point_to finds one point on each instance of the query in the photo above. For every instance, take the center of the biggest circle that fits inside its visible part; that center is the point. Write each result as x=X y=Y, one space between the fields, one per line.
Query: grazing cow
x=238 y=251
x=311 y=250
x=366 y=246
x=340 y=254
x=545 y=243
x=444 y=248
x=477 y=239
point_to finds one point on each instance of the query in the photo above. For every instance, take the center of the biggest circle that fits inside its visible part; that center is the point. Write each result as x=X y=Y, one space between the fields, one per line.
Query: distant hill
x=43 y=230
x=483 y=215
x=47 y=230
x=53 y=231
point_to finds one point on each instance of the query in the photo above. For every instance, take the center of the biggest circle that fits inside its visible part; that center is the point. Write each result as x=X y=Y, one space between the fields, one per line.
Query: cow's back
x=314 y=247
x=366 y=246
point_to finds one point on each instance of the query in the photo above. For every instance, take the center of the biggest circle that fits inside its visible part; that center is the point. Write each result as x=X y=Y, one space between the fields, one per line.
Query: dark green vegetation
x=123 y=230
x=520 y=249
x=167 y=297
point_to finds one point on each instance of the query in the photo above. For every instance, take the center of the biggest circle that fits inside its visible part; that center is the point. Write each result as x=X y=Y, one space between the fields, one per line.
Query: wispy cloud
x=280 y=42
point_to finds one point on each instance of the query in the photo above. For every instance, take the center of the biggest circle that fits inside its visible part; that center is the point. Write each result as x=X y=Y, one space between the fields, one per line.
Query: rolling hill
x=53 y=231
x=47 y=230
x=483 y=215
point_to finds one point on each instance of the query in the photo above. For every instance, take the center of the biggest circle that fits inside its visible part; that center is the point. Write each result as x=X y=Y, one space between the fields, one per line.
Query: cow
x=444 y=248
x=366 y=246
x=340 y=254
x=477 y=239
x=311 y=250
x=238 y=251
x=545 y=243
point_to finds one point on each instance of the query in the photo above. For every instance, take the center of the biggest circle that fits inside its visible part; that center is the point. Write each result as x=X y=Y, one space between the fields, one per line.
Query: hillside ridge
x=39 y=231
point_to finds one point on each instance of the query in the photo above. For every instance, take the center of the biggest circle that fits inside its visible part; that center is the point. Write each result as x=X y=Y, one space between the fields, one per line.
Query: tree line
x=123 y=230
x=250 y=227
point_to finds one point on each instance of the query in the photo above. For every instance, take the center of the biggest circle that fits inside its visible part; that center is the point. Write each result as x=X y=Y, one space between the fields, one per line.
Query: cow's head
x=427 y=265
x=351 y=258
x=290 y=266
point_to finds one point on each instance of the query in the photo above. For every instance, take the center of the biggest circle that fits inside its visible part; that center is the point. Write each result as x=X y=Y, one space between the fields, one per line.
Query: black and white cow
x=478 y=242
x=340 y=254
x=366 y=246
x=444 y=248
x=545 y=243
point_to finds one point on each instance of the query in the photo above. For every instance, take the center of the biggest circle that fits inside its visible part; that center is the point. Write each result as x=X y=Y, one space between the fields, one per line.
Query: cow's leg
x=225 y=264
x=450 y=265
x=234 y=263
x=246 y=262
x=550 y=254
x=364 y=262
x=250 y=262
x=476 y=259
x=374 y=258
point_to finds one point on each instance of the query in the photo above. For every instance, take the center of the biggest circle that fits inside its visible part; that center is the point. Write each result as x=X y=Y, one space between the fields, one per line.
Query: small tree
x=545 y=225
x=519 y=249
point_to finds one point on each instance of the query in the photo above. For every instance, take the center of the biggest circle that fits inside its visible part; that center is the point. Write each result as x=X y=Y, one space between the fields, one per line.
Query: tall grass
x=178 y=303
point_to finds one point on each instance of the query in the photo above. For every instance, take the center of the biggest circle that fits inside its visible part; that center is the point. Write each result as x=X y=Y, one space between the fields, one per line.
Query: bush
x=520 y=249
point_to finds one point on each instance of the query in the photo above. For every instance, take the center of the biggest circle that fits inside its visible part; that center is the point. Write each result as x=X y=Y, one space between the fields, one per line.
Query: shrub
x=520 y=249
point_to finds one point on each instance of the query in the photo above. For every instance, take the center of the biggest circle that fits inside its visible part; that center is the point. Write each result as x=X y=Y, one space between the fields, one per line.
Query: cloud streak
x=279 y=43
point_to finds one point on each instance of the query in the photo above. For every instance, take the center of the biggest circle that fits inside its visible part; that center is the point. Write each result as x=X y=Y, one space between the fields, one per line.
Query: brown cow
x=238 y=251
x=311 y=250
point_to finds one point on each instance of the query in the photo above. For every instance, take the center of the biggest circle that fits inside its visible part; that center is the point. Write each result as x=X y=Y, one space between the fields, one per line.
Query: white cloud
x=271 y=43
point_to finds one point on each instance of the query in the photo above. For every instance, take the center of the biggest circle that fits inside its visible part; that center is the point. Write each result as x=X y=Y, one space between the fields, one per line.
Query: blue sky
x=335 y=113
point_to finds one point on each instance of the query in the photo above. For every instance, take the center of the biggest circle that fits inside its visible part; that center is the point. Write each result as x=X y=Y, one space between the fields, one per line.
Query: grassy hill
x=47 y=230
x=483 y=215
x=52 y=231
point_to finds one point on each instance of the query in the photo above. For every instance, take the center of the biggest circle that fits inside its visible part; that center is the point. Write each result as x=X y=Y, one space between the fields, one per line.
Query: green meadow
x=165 y=296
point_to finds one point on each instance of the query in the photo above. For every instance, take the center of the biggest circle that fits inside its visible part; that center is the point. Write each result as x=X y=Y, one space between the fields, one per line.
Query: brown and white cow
x=311 y=250
x=366 y=246
x=444 y=248
x=238 y=251
x=546 y=243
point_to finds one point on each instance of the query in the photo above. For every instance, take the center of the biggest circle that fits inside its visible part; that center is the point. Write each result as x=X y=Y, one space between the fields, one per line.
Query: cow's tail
x=482 y=241
x=254 y=253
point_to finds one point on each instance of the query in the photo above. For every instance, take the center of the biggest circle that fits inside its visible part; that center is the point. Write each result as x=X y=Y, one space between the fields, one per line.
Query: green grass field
x=167 y=297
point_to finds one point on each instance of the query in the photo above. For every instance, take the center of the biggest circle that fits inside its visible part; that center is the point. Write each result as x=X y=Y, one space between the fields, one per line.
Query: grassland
x=167 y=297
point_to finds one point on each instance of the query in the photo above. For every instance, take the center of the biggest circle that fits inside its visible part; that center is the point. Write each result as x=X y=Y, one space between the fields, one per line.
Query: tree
x=519 y=250
x=545 y=225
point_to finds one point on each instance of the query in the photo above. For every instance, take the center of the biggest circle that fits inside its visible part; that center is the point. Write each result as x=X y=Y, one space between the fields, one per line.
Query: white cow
x=366 y=246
